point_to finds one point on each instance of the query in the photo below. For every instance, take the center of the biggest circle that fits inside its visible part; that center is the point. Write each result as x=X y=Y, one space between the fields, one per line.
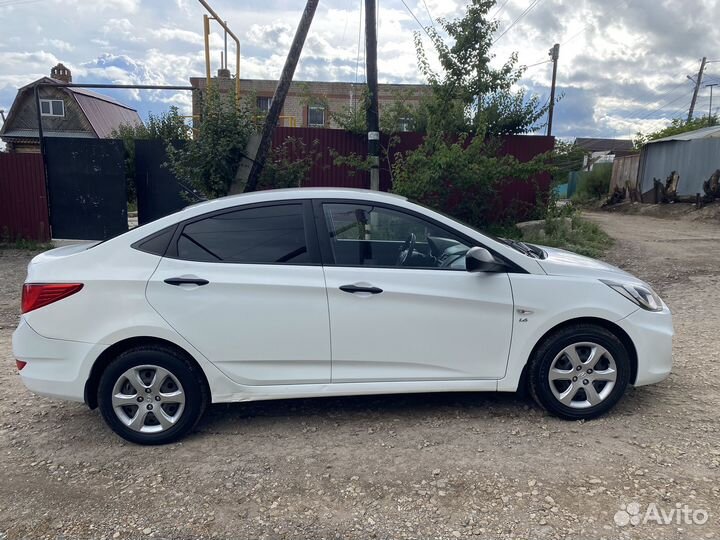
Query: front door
x=246 y=289
x=402 y=305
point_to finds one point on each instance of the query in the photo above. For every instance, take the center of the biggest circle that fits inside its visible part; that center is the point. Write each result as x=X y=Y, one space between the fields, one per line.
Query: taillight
x=20 y=364
x=37 y=295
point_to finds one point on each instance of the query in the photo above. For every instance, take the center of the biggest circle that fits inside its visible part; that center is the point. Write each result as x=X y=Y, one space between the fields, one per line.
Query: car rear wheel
x=151 y=395
x=579 y=372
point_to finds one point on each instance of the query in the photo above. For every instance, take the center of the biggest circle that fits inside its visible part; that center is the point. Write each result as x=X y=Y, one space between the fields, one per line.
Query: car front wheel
x=579 y=372
x=151 y=395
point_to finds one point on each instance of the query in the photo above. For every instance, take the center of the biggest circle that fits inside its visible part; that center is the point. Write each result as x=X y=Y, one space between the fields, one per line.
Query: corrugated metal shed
x=695 y=160
x=703 y=133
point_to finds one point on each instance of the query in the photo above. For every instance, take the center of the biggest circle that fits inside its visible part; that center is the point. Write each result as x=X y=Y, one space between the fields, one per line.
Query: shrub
x=461 y=179
x=594 y=184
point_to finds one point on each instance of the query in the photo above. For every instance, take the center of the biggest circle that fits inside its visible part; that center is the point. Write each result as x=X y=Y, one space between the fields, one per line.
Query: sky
x=623 y=64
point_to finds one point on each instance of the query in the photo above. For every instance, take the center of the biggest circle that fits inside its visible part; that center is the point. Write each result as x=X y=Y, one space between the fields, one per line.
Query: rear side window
x=263 y=235
x=157 y=243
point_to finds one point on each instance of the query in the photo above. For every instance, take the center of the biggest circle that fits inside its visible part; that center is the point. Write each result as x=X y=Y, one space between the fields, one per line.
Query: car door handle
x=186 y=281
x=357 y=289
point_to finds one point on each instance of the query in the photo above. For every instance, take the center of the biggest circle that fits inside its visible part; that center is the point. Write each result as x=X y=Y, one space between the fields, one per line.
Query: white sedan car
x=327 y=292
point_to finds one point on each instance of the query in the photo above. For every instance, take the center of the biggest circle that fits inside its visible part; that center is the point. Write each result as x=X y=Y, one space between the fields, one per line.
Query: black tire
x=539 y=370
x=191 y=385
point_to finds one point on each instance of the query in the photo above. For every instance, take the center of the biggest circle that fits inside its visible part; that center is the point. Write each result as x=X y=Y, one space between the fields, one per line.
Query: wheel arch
x=604 y=323
x=102 y=361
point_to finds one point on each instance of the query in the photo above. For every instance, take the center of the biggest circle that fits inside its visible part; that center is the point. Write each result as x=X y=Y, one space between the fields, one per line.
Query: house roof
x=103 y=112
x=711 y=132
x=604 y=145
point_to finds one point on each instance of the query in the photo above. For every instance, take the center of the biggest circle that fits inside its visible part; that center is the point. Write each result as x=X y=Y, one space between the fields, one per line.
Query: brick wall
x=336 y=95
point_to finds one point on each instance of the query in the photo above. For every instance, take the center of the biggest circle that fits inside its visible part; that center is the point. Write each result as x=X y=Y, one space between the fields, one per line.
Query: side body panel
x=425 y=325
x=543 y=302
x=260 y=324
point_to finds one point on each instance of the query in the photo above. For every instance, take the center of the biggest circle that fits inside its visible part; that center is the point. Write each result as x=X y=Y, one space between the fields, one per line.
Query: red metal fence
x=325 y=174
x=23 y=198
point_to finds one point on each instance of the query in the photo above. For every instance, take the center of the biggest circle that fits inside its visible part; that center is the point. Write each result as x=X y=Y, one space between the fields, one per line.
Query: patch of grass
x=28 y=245
x=581 y=236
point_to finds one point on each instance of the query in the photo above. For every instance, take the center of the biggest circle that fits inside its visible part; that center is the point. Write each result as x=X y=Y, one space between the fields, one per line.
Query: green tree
x=167 y=126
x=459 y=167
x=468 y=94
x=208 y=162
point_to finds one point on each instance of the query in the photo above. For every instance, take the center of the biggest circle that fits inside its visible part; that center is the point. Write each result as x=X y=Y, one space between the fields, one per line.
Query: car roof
x=300 y=193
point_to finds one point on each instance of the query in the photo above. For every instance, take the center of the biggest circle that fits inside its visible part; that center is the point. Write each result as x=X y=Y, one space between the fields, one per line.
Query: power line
x=527 y=10
x=416 y=19
x=661 y=107
x=537 y=64
x=432 y=21
x=499 y=10
x=669 y=92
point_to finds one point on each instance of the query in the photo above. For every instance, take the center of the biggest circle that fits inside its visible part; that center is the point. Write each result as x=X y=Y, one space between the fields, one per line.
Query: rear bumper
x=651 y=333
x=55 y=367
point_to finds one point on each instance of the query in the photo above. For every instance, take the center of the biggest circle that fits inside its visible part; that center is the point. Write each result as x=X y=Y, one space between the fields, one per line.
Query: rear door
x=244 y=286
x=399 y=316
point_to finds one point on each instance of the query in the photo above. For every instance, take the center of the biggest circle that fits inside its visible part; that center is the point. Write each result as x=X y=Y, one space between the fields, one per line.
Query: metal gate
x=159 y=193
x=87 y=188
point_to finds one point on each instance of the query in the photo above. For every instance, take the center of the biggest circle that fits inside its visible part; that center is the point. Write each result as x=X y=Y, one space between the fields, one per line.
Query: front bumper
x=55 y=367
x=651 y=333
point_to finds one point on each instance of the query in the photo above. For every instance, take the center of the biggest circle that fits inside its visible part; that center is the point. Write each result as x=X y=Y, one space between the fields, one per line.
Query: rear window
x=261 y=235
x=157 y=243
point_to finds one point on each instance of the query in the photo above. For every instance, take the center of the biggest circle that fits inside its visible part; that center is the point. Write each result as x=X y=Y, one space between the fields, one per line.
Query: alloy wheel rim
x=148 y=399
x=582 y=375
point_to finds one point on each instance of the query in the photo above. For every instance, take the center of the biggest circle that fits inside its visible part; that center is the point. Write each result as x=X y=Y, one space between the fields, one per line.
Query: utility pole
x=710 y=114
x=281 y=91
x=373 y=122
x=698 y=81
x=554 y=53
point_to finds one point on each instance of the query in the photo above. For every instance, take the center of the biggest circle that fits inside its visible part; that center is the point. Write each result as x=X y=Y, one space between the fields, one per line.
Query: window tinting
x=270 y=234
x=157 y=243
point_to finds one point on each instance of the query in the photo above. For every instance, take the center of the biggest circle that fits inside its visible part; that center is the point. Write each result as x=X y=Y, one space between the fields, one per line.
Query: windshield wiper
x=521 y=247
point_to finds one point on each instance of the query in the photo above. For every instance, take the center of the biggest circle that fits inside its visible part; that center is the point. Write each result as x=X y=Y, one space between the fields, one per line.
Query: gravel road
x=425 y=466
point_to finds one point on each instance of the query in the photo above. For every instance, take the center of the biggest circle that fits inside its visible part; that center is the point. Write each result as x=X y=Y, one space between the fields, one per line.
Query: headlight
x=643 y=296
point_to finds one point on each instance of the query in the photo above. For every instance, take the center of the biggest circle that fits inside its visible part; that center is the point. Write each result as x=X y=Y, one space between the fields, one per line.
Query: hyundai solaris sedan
x=327 y=292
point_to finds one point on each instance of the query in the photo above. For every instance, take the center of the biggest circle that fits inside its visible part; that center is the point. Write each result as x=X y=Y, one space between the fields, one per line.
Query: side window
x=263 y=235
x=156 y=243
x=367 y=235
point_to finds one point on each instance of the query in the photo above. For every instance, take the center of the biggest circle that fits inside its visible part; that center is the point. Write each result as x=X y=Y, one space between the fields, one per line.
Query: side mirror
x=479 y=259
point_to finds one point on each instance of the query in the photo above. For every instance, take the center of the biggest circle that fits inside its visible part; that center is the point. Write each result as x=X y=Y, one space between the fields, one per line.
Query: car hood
x=565 y=263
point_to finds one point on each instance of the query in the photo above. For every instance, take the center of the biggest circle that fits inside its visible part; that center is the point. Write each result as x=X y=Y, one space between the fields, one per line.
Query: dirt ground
x=425 y=466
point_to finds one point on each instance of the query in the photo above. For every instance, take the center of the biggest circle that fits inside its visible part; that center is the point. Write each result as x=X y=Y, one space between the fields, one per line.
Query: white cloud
x=178 y=34
x=57 y=44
